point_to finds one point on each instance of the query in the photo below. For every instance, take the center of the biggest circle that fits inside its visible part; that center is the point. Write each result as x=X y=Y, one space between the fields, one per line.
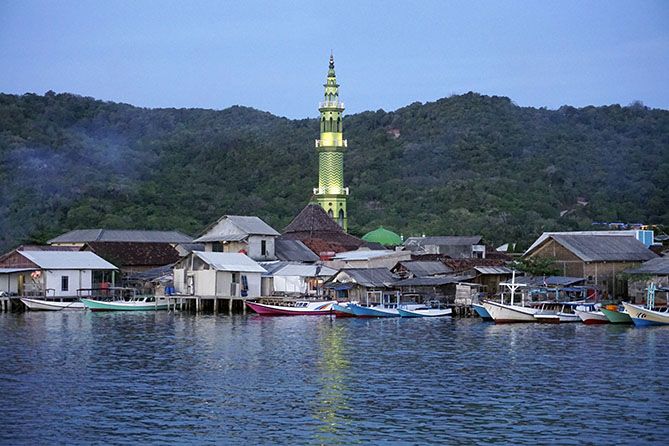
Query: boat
x=294 y=308
x=341 y=309
x=643 y=317
x=592 y=317
x=561 y=312
x=374 y=311
x=51 y=305
x=433 y=309
x=616 y=315
x=482 y=312
x=138 y=303
x=646 y=316
x=503 y=313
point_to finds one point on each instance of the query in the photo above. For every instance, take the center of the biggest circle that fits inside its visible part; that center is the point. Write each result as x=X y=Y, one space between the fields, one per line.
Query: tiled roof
x=314 y=223
x=126 y=254
x=658 y=266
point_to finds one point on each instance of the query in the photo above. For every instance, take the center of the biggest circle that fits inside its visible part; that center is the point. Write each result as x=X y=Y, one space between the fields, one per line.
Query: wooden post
x=230 y=306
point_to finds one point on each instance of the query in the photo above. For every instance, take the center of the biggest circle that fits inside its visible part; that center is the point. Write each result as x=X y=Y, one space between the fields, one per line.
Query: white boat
x=592 y=317
x=561 y=312
x=51 y=305
x=643 y=317
x=432 y=309
x=505 y=313
x=294 y=308
x=139 y=303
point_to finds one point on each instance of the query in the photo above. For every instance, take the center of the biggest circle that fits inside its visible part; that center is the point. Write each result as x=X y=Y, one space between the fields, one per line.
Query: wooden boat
x=432 y=309
x=504 y=313
x=294 y=308
x=592 y=317
x=482 y=312
x=139 y=303
x=342 y=310
x=616 y=316
x=374 y=311
x=561 y=312
x=643 y=317
x=51 y=305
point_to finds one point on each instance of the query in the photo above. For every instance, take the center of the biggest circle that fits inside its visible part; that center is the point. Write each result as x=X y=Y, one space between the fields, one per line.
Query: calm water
x=158 y=378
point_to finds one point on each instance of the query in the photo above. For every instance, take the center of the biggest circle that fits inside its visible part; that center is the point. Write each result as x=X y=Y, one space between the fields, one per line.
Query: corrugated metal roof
x=493 y=269
x=444 y=240
x=425 y=268
x=118 y=235
x=370 y=277
x=252 y=225
x=601 y=248
x=293 y=251
x=15 y=270
x=658 y=266
x=362 y=255
x=272 y=267
x=426 y=281
x=222 y=238
x=302 y=270
x=230 y=261
x=67 y=260
x=545 y=235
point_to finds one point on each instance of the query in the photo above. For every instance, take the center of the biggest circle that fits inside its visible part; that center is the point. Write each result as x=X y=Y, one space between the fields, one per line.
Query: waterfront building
x=246 y=234
x=455 y=247
x=331 y=193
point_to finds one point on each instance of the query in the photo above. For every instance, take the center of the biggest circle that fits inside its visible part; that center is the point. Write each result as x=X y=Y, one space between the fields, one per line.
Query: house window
x=263 y=247
x=234 y=277
x=218 y=247
x=64 y=283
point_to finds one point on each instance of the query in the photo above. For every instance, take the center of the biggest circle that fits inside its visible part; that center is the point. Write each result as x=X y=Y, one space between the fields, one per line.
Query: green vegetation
x=467 y=164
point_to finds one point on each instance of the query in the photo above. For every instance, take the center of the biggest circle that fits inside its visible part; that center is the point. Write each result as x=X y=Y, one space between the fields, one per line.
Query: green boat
x=616 y=316
x=139 y=303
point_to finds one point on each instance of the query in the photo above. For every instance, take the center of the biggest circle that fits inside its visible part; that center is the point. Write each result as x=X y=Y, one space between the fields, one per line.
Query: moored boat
x=294 y=308
x=643 y=317
x=616 y=316
x=374 y=311
x=592 y=317
x=504 y=313
x=432 y=309
x=482 y=312
x=51 y=305
x=342 y=309
x=139 y=303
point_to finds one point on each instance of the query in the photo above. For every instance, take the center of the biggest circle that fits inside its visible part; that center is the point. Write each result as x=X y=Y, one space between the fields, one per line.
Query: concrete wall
x=77 y=279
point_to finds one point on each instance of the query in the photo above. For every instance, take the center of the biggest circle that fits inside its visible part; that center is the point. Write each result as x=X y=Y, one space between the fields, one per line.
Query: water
x=165 y=378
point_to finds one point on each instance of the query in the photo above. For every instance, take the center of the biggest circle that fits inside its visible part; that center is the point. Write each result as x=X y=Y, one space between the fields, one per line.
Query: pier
x=215 y=304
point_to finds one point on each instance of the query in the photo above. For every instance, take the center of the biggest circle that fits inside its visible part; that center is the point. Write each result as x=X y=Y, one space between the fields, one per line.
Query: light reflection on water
x=157 y=378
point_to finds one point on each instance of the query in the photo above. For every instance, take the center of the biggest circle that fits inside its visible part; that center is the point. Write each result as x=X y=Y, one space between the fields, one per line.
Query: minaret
x=331 y=193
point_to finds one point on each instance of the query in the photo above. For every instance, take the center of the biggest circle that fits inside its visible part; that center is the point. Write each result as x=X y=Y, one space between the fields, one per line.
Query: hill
x=466 y=164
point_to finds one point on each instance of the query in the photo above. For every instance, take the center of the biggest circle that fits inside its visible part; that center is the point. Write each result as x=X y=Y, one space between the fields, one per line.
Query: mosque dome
x=383 y=236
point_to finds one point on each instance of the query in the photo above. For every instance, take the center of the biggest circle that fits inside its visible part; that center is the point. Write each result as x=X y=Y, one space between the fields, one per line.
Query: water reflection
x=331 y=405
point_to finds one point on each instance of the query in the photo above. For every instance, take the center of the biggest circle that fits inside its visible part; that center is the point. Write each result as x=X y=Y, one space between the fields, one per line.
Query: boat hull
x=616 y=317
x=47 y=305
x=504 y=314
x=643 y=317
x=342 y=311
x=482 y=312
x=361 y=311
x=99 y=305
x=592 y=317
x=278 y=310
x=425 y=313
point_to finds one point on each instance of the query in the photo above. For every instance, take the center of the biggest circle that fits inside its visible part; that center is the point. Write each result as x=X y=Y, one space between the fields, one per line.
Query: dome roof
x=383 y=236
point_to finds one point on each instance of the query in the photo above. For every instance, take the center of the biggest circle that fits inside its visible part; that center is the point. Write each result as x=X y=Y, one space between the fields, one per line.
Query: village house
x=366 y=258
x=599 y=257
x=455 y=247
x=283 y=278
x=240 y=234
x=362 y=284
x=408 y=269
x=52 y=273
x=654 y=271
x=218 y=274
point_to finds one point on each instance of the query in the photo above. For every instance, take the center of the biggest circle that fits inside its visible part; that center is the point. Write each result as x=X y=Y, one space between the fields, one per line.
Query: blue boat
x=481 y=311
x=377 y=311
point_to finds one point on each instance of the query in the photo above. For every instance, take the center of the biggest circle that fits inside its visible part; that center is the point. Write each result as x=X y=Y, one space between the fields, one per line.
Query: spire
x=331 y=72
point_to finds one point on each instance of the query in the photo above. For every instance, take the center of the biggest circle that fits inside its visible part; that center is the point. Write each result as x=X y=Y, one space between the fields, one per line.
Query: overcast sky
x=273 y=55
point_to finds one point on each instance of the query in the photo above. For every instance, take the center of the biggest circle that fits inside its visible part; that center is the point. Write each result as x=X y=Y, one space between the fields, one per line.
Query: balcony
x=330 y=190
x=331 y=143
x=331 y=104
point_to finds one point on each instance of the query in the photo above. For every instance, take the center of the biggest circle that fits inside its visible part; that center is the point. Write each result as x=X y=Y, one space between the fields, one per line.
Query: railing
x=331 y=142
x=331 y=104
x=107 y=293
x=330 y=190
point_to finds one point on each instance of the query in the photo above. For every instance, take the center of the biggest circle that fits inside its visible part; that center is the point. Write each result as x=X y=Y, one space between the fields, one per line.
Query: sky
x=273 y=55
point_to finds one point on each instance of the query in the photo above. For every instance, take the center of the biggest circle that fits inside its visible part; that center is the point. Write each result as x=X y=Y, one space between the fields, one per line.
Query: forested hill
x=467 y=164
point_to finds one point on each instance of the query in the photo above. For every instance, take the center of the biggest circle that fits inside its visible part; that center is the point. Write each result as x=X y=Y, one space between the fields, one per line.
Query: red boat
x=294 y=308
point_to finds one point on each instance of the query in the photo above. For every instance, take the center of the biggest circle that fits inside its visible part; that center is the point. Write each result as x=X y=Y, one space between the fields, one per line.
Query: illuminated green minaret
x=331 y=193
